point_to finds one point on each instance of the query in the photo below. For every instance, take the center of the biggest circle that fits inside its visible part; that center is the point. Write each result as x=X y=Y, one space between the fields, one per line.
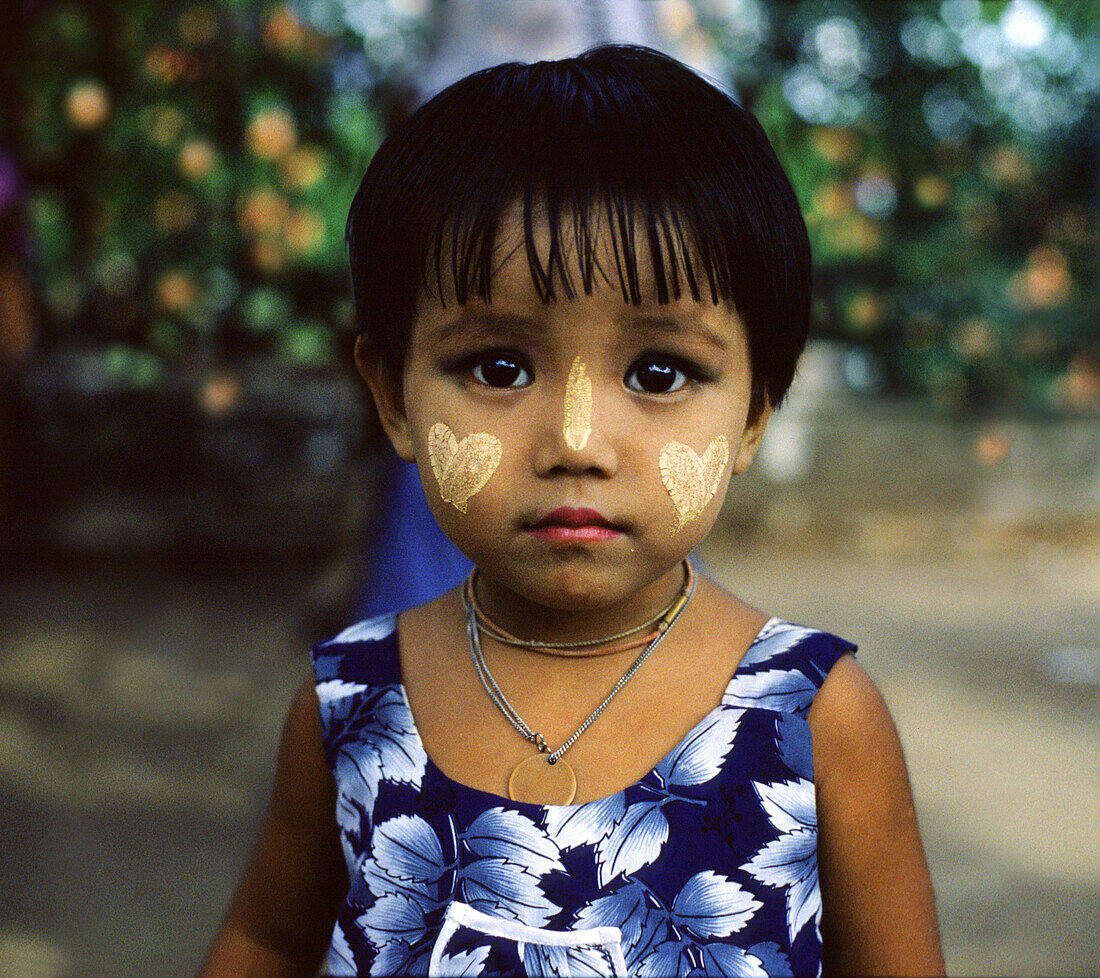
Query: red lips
x=567 y=516
x=573 y=525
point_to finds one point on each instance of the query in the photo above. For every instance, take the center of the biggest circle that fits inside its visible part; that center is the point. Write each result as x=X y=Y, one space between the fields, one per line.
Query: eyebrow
x=675 y=325
x=488 y=322
x=494 y=324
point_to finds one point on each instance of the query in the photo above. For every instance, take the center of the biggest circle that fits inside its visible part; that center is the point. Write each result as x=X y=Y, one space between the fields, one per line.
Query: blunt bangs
x=618 y=146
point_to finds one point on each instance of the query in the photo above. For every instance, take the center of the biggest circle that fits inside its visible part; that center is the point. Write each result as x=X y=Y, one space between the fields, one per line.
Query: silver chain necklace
x=549 y=776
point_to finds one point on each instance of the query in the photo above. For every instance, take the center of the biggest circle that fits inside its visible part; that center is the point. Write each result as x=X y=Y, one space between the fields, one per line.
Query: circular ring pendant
x=540 y=783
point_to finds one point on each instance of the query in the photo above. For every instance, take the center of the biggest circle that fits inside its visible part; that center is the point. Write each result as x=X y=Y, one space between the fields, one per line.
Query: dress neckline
x=745 y=660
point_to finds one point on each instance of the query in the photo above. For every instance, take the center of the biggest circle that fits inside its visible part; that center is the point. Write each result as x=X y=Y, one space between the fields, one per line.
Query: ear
x=389 y=399
x=750 y=439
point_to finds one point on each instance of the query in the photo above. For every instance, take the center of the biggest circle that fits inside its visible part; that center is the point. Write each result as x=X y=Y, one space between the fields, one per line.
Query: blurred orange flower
x=267 y=255
x=219 y=393
x=264 y=211
x=303 y=167
x=991 y=448
x=833 y=200
x=1006 y=165
x=162 y=124
x=865 y=311
x=196 y=158
x=167 y=65
x=931 y=191
x=305 y=230
x=835 y=144
x=1044 y=281
x=87 y=104
x=177 y=291
x=198 y=25
x=272 y=133
x=1080 y=385
x=975 y=339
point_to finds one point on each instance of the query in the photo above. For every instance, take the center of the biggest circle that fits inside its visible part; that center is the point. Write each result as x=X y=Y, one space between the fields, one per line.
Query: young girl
x=583 y=286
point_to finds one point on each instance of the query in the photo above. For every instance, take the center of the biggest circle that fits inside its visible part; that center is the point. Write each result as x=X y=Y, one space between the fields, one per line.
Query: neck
x=512 y=619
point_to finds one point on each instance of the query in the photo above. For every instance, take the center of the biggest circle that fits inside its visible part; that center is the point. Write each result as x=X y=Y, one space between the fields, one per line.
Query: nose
x=574 y=436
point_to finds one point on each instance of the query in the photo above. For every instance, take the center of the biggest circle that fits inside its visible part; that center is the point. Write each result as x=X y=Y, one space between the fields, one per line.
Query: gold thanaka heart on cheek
x=692 y=481
x=461 y=467
x=578 y=407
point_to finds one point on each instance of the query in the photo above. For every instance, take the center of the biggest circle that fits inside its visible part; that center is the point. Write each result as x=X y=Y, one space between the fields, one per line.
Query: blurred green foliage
x=190 y=170
x=190 y=166
x=947 y=158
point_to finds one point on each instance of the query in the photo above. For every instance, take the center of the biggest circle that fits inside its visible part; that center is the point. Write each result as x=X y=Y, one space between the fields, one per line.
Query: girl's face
x=576 y=450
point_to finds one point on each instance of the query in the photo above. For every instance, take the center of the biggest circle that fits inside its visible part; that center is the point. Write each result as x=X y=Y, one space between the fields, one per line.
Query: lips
x=567 y=516
x=568 y=524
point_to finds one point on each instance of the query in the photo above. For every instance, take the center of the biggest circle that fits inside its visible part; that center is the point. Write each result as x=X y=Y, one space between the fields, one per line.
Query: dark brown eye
x=655 y=375
x=501 y=370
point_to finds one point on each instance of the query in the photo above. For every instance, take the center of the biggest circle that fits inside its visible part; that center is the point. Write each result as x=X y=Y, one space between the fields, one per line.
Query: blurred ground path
x=140 y=708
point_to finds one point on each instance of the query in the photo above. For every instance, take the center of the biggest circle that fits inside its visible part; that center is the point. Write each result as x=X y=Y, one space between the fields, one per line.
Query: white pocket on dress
x=595 y=952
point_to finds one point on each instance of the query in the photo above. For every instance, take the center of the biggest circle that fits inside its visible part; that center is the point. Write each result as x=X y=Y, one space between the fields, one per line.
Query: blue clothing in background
x=410 y=560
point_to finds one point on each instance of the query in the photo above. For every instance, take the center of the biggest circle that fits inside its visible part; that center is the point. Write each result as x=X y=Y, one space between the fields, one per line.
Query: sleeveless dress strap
x=357 y=672
x=365 y=653
x=784 y=668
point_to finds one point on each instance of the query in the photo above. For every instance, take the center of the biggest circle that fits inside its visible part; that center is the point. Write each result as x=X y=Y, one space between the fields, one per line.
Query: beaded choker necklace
x=488 y=627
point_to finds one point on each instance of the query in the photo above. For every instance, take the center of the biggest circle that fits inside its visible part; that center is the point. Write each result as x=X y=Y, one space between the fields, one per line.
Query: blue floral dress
x=706 y=866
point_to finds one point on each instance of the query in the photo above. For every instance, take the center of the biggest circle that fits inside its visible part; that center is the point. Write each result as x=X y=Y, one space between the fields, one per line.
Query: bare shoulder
x=879 y=915
x=851 y=724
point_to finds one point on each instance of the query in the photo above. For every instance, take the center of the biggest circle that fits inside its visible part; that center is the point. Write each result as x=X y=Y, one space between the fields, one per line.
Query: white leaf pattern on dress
x=636 y=835
x=730 y=961
x=399 y=958
x=505 y=889
x=340 y=960
x=658 y=940
x=554 y=961
x=790 y=861
x=372 y=738
x=781 y=690
x=634 y=842
x=336 y=689
x=395 y=917
x=512 y=836
x=789 y=804
x=584 y=825
x=409 y=850
x=409 y=876
x=774 y=639
x=637 y=913
x=795 y=745
x=410 y=868
x=465 y=964
x=370 y=630
x=699 y=756
x=669 y=959
x=711 y=905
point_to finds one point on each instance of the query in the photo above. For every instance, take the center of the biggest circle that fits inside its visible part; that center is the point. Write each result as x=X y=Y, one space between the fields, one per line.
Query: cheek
x=692 y=480
x=462 y=468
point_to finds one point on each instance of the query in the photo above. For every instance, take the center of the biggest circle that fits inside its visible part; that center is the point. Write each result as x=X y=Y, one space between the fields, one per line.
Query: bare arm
x=879 y=912
x=280 y=920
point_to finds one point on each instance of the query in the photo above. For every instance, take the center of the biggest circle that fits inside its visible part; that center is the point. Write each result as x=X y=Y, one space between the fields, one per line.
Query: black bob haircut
x=619 y=144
